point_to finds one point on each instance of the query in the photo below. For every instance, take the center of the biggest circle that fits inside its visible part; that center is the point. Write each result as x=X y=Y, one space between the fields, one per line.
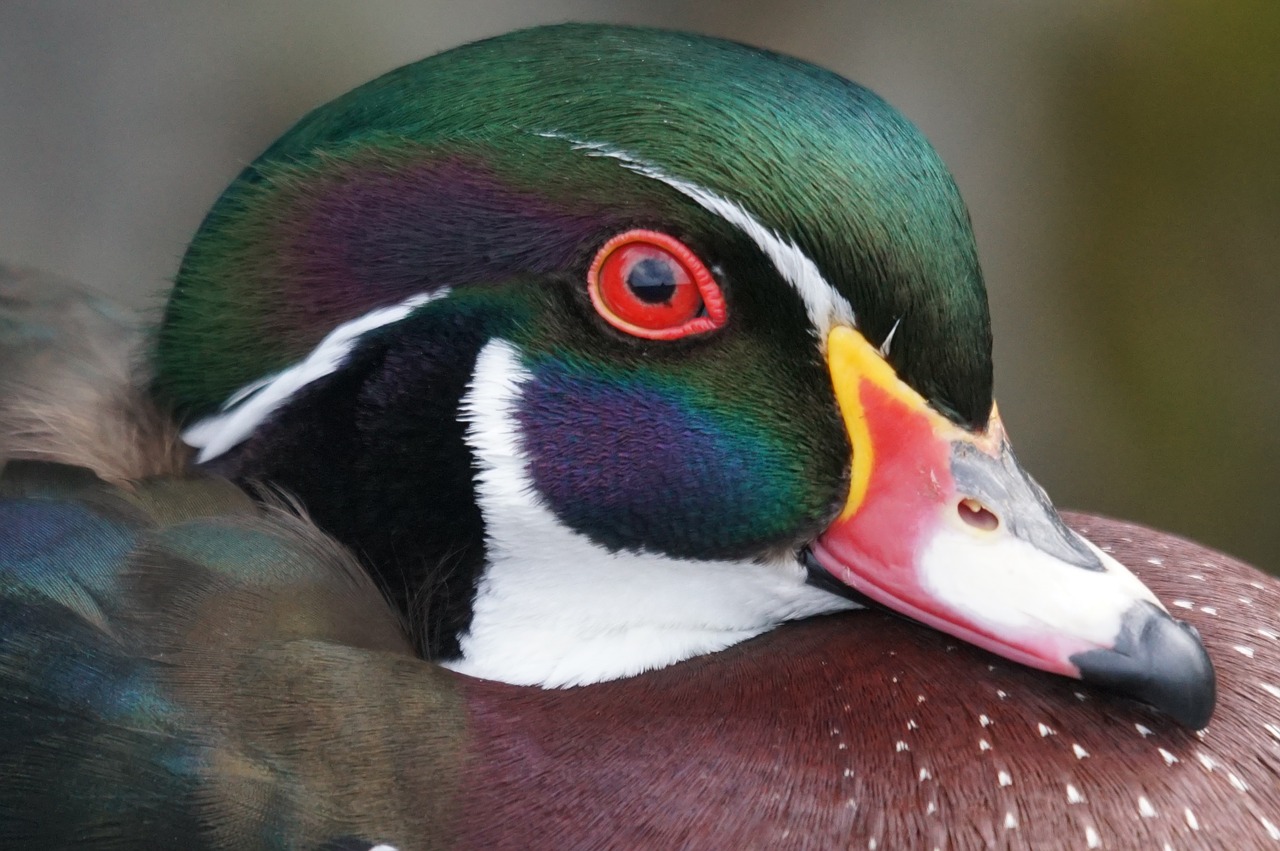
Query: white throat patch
x=555 y=609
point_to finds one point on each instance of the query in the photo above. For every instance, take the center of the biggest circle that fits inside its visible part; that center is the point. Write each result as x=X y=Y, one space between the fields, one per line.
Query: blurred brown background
x=1121 y=161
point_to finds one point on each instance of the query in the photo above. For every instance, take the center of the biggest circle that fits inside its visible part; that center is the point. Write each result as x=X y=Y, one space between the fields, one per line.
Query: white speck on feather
x=872 y=844
x=1273 y=729
x=1001 y=693
x=1081 y=695
x=1271 y=690
x=1207 y=761
x=1144 y=730
x=1004 y=778
x=1209 y=610
x=925 y=775
x=902 y=746
x=888 y=339
x=1199 y=577
x=1073 y=795
x=843 y=746
x=1153 y=560
x=1080 y=752
x=984 y=720
x=1266 y=633
x=848 y=772
x=1184 y=604
x=1010 y=821
x=984 y=745
x=1192 y=821
x=920 y=698
x=912 y=725
x=1270 y=827
x=1169 y=759
x=1243 y=650
x=1144 y=807
x=1045 y=730
x=1257 y=585
x=931 y=809
x=1238 y=784
x=1091 y=836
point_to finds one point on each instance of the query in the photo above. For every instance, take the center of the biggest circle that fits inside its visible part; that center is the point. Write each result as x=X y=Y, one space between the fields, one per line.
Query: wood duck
x=541 y=395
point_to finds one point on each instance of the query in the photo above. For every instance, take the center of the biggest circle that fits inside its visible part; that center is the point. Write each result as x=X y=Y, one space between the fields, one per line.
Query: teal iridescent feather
x=150 y=639
x=79 y=711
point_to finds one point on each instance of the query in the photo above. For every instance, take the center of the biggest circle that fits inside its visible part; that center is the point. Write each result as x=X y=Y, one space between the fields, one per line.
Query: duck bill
x=943 y=526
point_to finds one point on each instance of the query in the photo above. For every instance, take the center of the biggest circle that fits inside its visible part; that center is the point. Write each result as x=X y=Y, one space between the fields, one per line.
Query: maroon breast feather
x=863 y=730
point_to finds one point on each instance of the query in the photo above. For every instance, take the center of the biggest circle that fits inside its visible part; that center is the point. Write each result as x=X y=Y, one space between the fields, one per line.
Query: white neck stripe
x=825 y=306
x=555 y=609
x=248 y=407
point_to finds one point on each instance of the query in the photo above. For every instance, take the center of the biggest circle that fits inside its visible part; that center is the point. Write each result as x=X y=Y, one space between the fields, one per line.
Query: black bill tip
x=1159 y=661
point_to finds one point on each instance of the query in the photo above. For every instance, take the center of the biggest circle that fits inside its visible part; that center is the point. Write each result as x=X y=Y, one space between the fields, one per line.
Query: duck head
x=605 y=348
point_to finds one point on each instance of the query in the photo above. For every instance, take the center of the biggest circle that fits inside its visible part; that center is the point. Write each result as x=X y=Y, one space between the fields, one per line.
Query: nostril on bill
x=977 y=515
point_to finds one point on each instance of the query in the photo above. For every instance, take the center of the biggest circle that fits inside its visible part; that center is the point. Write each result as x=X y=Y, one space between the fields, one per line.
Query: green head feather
x=462 y=169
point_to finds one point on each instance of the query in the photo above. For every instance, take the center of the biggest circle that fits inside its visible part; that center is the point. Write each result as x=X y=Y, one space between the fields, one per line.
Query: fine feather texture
x=206 y=670
x=824 y=304
x=251 y=405
x=555 y=608
x=864 y=730
x=455 y=171
x=225 y=678
x=177 y=666
x=69 y=383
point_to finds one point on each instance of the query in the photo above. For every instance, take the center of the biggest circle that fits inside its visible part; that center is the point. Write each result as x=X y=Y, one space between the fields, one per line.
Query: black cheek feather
x=377 y=454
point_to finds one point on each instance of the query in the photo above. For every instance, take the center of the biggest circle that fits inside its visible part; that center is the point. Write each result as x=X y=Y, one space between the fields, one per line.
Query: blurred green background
x=1121 y=161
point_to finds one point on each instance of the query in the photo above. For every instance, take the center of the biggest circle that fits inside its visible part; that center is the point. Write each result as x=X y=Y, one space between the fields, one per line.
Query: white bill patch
x=825 y=306
x=555 y=609
x=249 y=407
x=1014 y=590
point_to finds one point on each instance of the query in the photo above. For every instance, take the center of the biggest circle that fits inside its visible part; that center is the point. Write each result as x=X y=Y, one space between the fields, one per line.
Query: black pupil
x=652 y=281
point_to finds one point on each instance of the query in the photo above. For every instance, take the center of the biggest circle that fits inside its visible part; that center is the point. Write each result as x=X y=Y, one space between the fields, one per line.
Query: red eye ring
x=651 y=285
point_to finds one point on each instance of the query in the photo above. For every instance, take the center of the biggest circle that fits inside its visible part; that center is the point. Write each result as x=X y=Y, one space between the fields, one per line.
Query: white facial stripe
x=554 y=609
x=249 y=406
x=825 y=306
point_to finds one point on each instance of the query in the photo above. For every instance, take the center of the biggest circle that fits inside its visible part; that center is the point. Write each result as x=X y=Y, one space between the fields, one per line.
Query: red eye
x=651 y=285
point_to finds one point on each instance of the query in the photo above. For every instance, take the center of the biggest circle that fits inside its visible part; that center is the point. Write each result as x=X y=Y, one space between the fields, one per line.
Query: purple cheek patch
x=634 y=462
